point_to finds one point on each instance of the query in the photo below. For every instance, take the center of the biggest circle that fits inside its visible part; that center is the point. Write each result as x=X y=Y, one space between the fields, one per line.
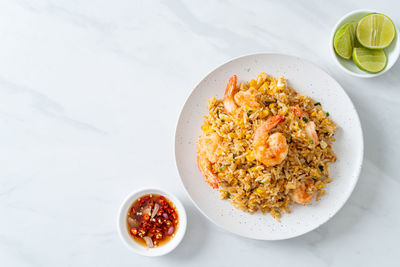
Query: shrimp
x=304 y=194
x=311 y=132
x=206 y=170
x=229 y=102
x=206 y=147
x=247 y=98
x=233 y=100
x=299 y=112
x=270 y=149
x=310 y=126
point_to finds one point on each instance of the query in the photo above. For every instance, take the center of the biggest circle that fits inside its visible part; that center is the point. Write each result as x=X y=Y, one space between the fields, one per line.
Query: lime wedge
x=369 y=60
x=375 y=31
x=357 y=43
x=343 y=41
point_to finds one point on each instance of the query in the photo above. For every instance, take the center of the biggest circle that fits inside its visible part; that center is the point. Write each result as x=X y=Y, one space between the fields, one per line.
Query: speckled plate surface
x=306 y=78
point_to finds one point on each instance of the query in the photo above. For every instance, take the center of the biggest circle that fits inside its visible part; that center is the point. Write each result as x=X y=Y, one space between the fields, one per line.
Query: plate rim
x=357 y=121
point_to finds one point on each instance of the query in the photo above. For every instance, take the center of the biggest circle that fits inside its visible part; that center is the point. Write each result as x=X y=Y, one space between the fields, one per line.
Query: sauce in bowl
x=152 y=220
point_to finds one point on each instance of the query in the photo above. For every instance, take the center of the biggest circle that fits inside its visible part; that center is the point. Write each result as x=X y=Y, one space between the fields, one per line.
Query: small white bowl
x=132 y=244
x=392 y=51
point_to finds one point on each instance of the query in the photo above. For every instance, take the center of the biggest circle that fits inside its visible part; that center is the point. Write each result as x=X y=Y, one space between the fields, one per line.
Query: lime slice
x=357 y=43
x=343 y=41
x=369 y=60
x=375 y=31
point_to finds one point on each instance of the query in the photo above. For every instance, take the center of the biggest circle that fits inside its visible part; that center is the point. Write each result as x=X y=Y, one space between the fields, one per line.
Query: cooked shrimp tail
x=299 y=112
x=229 y=102
x=205 y=169
x=206 y=146
x=272 y=122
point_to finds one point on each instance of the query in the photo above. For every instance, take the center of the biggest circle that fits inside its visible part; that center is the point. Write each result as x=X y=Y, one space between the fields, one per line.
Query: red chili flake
x=134 y=231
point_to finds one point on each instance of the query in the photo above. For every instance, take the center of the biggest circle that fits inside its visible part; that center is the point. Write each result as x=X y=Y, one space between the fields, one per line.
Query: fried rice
x=246 y=182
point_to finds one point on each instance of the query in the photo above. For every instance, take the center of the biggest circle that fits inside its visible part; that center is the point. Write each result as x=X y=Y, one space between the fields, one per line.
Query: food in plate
x=265 y=146
x=152 y=220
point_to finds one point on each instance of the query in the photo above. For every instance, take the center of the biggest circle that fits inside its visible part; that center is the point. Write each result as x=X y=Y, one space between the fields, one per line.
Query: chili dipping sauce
x=152 y=220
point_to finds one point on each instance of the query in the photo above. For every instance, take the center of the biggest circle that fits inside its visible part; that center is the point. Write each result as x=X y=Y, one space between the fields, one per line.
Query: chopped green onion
x=260 y=184
x=327 y=114
x=268 y=102
x=311 y=141
x=326 y=134
x=321 y=168
x=305 y=119
x=249 y=112
x=290 y=139
x=220 y=168
x=316 y=104
x=229 y=195
x=234 y=155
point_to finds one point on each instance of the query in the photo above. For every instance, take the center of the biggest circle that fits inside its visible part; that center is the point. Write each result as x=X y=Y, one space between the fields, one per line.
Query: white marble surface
x=90 y=92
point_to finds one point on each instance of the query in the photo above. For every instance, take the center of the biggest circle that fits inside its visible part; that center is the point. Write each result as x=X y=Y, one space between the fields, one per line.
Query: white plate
x=307 y=79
